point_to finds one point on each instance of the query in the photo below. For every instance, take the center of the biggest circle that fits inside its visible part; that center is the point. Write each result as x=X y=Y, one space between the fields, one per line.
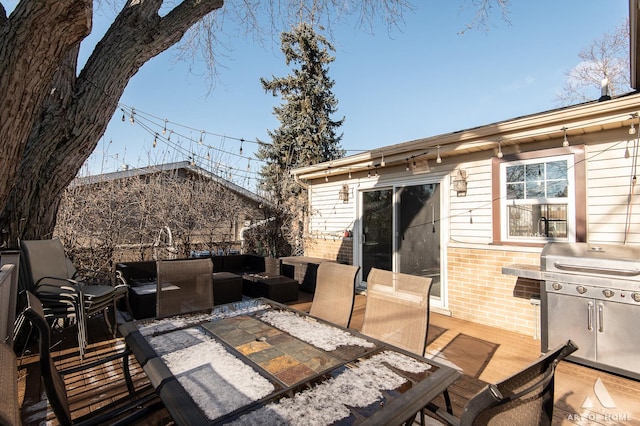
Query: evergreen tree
x=307 y=134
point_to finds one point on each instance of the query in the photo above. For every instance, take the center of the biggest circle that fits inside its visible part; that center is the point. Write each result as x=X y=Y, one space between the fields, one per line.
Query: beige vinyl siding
x=609 y=175
x=470 y=219
x=330 y=217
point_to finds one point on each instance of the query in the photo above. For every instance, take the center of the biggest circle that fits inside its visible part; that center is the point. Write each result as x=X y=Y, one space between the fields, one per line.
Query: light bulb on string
x=241 y=141
x=382 y=163
x=500 y=155
x=632 y=129
x=200 y=140
x=131 y=119
x=155 y=140
x=123 y=117
x=164 y=129
x=208 y=156
x=565 y=141
x=438 y=158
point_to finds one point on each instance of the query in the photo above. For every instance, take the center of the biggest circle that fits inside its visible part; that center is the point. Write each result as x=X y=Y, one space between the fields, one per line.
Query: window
x=537 y=199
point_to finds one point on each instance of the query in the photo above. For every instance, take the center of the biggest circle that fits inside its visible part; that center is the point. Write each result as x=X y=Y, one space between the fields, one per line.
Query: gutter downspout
x=299 y=182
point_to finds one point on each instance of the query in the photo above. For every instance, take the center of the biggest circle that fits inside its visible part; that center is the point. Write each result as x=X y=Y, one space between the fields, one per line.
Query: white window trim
x=571 y=199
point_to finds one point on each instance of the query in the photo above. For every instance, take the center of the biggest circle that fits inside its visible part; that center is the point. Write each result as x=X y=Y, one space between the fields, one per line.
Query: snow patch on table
x=330 y=401
x=217 y=381
x=320 y=335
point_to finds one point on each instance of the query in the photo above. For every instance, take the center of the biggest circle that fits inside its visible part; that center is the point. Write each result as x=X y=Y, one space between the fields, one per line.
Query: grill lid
x=609 y=260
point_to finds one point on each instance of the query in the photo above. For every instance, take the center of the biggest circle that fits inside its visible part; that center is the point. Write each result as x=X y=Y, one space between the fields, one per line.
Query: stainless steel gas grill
x=591 y=295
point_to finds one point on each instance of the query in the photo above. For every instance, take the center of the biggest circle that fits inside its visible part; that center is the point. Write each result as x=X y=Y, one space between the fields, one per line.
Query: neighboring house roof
x=574 y=120
x=180 y=165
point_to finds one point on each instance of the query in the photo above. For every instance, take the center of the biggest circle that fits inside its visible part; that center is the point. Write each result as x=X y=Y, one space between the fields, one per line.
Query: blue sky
x=422 y=80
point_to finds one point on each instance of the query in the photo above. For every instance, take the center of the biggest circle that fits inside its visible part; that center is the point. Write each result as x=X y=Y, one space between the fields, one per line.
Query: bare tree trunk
x=33 y=42
x=77 y=110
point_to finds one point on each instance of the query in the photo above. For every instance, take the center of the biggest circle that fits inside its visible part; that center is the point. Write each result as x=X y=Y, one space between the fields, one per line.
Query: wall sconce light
x=459 y=182
x=344 y=193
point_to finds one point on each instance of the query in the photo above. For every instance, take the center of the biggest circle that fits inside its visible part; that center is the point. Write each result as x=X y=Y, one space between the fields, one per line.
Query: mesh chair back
x=272 y=266
x=44 y=258
x=184 y=286
x=9 y=405
x=397 y=309
x=335 y=293
x=527 y=394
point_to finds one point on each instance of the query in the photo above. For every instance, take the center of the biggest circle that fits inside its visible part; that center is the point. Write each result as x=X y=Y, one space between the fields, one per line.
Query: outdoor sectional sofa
x=261 y=279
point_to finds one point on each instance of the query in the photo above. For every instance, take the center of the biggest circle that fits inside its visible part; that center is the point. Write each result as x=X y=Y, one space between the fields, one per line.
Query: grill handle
x=598 y=270
x=590 y=316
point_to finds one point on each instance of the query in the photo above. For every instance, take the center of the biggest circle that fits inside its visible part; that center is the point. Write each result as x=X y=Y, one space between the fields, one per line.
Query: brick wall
x=338 y=249
x=479 y=292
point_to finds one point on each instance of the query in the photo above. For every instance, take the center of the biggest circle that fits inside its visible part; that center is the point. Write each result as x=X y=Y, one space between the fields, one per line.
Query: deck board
x=573 y=382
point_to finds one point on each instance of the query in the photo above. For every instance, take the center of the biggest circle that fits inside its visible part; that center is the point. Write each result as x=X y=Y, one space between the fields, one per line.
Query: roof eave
x=583 y=118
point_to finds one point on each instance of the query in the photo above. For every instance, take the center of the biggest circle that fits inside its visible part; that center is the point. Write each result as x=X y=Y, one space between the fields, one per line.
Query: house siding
x=475 y=287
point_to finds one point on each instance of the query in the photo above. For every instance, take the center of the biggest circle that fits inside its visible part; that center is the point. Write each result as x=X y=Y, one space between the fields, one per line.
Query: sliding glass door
x=411 y=213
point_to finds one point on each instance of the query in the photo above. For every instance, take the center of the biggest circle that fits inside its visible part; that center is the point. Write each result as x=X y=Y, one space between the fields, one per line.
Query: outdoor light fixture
x=565 y=141
x=344 y=193
x=632 y=129
x=382 y=163
x=500 y=155
x=438 y=159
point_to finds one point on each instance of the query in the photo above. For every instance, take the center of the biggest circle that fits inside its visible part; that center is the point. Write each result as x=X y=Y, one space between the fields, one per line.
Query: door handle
x=590 y=316
x=600 y=317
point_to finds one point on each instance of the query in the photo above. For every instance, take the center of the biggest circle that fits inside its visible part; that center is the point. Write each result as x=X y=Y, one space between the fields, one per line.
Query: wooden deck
x=484 y=353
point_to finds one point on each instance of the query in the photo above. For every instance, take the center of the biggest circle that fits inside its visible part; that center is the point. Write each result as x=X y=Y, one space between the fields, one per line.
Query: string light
x=382 y=163
x=241 y=141
x=200 y=140
x=164 y=129
x=155 y=140
x=131 y=119
x=438 y=159
x=500 y=155
x=565 y=141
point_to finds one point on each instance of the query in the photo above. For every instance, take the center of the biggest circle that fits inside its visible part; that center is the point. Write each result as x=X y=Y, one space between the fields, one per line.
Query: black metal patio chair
x=526 y=398
x=134 y=406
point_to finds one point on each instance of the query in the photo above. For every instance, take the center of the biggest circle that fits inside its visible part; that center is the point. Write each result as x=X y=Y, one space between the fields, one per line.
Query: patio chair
x=62 y=296
x=137 y=404
x=184 y=286
x=397 y=309
x=335 y=293
x=526 y=398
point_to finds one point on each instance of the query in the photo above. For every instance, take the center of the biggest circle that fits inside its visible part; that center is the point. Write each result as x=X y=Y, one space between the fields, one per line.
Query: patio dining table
x=261 y=362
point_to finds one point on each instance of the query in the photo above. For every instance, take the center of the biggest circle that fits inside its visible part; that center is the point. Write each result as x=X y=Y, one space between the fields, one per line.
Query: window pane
x=535 y=171
x=515 y=191
x=557 y=170
x=537 y=221
x=515 y=173
x=535 y=189
x=557 y=189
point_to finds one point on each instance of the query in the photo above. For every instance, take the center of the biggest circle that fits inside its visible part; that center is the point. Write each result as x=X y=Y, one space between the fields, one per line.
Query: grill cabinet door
x=572 y=318
x=618 y=335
